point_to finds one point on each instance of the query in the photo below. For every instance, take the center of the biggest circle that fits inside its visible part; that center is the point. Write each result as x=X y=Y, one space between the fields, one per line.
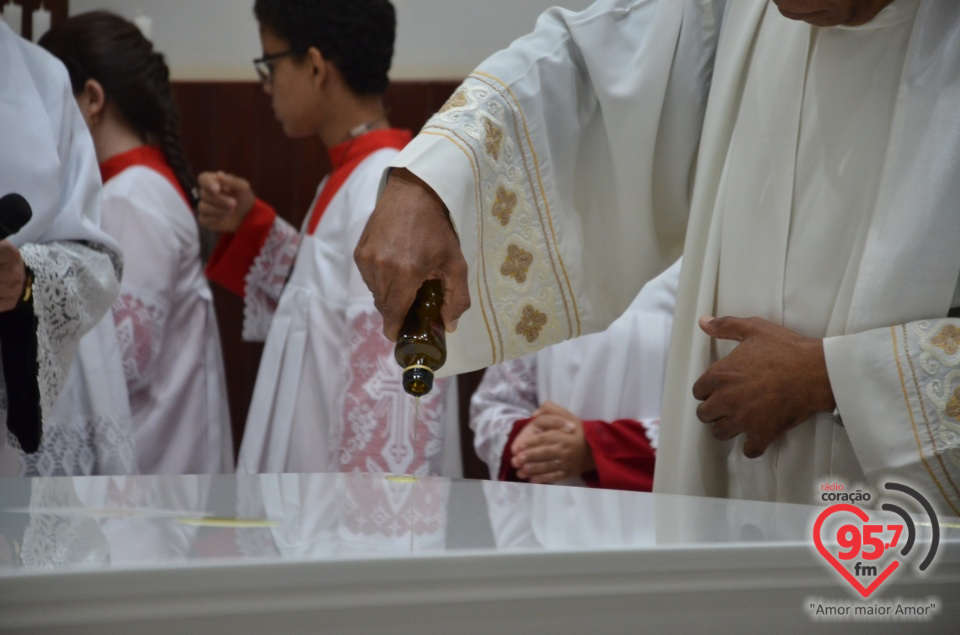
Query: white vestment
x=323 y=514
x=47 y=156
x=606 y=141
x=613 y=375
x=568 y=518
x=166 y=323
x=328 y=395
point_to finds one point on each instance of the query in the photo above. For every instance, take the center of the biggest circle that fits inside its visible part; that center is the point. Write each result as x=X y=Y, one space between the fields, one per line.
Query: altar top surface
x=114 y=523
x=380 y=554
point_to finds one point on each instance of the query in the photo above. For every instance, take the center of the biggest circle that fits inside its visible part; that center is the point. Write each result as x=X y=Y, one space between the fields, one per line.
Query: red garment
x=622 y=454
x=348 y=155
x=235 y=253
x=147 y=156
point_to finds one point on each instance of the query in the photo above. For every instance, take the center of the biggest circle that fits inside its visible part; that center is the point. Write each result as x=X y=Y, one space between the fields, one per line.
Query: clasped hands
x=774 y=380
x=551 y=447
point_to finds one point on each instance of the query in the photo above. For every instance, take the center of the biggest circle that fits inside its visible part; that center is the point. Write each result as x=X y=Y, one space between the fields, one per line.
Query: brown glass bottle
x=421 y=346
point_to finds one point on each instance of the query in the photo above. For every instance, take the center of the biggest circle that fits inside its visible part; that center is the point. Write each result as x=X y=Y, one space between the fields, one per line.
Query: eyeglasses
x=264 y=65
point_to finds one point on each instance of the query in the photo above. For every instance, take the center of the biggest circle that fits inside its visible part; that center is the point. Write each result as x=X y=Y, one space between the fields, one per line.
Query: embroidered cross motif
x=947 y=340
x=953 y=406
x=517 y=263
x=531 y=323
x=494 y=137
x=504 y=205
x=458 y=100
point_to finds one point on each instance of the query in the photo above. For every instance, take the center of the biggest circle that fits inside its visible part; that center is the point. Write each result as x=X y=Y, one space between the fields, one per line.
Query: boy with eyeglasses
x=328 y=395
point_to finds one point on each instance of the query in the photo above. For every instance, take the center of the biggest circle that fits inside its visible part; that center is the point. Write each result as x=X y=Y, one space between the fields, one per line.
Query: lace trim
x=51 y=540
x=522 y=285
x=81 y=447
x=140 y=327
x=266 y=279
x=392 y=514
x=74 y=285
x=506 y=394
x=378 y=416
x=652 y=431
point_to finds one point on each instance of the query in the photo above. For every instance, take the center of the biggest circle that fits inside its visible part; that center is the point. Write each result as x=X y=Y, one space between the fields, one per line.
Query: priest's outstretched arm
x=524 y=194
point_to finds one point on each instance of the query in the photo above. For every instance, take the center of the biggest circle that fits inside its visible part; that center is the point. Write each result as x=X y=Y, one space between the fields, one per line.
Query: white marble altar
x=365 y=553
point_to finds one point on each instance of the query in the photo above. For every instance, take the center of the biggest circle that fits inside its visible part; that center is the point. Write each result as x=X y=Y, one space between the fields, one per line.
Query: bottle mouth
x=417 y=380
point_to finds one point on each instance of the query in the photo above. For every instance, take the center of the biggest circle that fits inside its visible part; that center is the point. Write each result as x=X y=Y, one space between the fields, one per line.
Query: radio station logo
x=867 y=551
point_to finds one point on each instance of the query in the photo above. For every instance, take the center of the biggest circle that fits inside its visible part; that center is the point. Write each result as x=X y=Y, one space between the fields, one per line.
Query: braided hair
x=105 y=47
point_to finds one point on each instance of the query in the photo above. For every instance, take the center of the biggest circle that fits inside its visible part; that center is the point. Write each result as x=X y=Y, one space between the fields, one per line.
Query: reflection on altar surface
x=392 y=553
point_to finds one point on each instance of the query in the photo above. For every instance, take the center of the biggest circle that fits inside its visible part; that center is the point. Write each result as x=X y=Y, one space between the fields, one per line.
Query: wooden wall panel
x=58 y=13
x=230 y=126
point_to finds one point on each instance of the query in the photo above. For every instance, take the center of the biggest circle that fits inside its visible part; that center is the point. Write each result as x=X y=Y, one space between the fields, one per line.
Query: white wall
x=217 y=39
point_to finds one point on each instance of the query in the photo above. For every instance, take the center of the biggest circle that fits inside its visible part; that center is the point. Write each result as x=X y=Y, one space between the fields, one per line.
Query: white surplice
x=47 y=156
x=613 y=375
x=560 y=518
x=816 y=188
x=167 y=328
x=328 y=395
x=316 y=515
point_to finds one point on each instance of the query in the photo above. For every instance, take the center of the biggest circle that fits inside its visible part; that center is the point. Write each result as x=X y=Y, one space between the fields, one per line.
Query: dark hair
x=103 y=46
x=356 y=35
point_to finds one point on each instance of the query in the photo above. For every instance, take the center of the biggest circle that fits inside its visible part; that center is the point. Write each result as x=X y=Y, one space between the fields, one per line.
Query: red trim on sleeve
x=345 y=157
x=622 y=455
x=235 y=253
x=507 y=471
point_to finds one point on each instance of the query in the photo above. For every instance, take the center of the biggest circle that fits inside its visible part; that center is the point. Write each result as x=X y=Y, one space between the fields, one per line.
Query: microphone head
x=15 y=212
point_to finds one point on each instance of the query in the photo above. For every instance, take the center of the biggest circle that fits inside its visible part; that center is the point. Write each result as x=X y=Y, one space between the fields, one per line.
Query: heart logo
x=829 y=557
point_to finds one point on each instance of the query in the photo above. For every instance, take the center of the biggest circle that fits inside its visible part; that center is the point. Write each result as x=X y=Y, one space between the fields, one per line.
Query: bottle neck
x=417 y=363
x=417 y=380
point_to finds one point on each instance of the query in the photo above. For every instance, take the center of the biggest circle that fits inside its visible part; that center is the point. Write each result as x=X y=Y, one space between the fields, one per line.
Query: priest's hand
x=552 y=447
x=773 y=380
x=409 y=239
x=225 y=200
x=13 y=276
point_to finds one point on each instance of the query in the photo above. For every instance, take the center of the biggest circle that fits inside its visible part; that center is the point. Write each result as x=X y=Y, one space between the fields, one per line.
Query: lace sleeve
x=140 y=322
x=61 y=540
x=506 y=394
x=266 y=279
x=74 y=285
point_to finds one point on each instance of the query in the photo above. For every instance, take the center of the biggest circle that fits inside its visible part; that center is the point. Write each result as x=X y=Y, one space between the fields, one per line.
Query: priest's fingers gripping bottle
x=421 y=346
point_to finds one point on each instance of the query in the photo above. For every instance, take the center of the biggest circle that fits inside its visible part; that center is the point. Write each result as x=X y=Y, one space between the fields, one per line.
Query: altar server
x=328 y=395
x=164 y=316
x=584 y=411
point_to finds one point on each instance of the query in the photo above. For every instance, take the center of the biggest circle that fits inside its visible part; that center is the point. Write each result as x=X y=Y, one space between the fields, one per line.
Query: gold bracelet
x=27 y=288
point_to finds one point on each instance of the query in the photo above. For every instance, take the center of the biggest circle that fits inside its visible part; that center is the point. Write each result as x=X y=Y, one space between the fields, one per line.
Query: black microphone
x=18 y=344
x=15 y=212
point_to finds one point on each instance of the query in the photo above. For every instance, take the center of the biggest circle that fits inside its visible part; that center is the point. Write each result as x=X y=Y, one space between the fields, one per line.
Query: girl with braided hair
x=164 y=315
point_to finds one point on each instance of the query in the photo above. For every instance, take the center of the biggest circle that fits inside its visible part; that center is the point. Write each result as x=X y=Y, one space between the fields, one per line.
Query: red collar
x=355 y=150
x=147 y=156
x=346 y=156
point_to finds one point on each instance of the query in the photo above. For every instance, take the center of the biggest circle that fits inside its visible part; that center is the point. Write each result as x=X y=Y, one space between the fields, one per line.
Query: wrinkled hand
x=409 y=239
x=13 y=276
x=225 y=200
x=552 y=447
x=773 y=380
